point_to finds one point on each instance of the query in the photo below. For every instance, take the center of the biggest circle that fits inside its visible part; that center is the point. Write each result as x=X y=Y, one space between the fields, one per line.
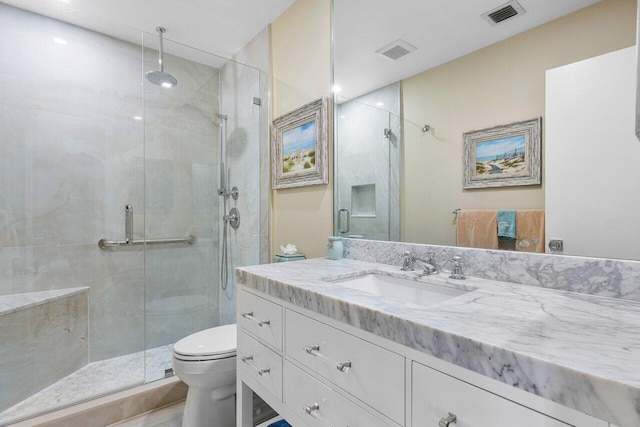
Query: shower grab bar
x=106 y=243
x=129 y=241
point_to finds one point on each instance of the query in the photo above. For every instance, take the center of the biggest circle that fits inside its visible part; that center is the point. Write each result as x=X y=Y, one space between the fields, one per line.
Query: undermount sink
x=409 y=291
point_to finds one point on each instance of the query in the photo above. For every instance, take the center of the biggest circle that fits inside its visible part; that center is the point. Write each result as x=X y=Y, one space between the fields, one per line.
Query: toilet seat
x=211 y=344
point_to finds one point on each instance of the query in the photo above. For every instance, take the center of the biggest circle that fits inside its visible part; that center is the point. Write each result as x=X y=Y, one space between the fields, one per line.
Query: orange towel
x=530 y=230
x=478 y=229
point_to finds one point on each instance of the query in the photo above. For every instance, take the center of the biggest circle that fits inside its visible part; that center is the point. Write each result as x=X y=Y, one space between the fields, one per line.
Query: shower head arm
x=161 y=31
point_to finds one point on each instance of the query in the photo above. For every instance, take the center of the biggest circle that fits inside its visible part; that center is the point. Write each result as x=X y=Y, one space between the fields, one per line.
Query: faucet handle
x=456 y=271
x=409 y=259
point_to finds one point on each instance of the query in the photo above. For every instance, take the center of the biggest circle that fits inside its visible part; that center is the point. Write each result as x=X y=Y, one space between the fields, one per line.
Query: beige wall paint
x=301 y=72
x=500 y=84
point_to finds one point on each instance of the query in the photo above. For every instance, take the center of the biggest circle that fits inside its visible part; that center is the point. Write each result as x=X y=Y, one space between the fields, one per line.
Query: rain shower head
x=159 y=77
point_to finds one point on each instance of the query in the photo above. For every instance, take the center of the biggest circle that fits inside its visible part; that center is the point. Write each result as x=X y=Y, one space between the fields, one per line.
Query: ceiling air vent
x=396 y=50
x=503 y=13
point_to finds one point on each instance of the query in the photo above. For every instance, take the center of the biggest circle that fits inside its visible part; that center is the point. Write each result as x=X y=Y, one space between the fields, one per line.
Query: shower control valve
x=234 y=192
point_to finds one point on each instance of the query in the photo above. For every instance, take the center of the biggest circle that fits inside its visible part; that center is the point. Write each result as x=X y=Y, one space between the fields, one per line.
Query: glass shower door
x=181 y=177
x=367 y=172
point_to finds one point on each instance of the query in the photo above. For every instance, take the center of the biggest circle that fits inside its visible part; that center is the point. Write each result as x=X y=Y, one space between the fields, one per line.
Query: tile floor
x=95 y=379
x=169 y=416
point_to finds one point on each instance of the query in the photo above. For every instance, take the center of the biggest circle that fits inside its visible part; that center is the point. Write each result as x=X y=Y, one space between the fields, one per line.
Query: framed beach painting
x=299 y=147
x=502 y=156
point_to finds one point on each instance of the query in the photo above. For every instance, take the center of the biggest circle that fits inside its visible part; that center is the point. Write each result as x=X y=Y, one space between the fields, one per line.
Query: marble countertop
x=578 y=350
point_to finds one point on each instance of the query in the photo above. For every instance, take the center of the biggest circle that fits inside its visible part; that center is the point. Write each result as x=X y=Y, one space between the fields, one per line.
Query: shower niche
x=363 y=201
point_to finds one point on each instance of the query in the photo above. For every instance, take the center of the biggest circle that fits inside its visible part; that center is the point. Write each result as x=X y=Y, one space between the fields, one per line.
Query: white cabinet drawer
x=376 y=376
x=435 y=395
x=302 y=392
x=260 y=317
x=261 y=363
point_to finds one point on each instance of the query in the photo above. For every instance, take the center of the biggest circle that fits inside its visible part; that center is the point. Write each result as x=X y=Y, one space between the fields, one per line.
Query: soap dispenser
x=335 y=248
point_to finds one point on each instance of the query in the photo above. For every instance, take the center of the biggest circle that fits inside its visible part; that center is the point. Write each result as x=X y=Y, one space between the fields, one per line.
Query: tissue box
x=285 y=258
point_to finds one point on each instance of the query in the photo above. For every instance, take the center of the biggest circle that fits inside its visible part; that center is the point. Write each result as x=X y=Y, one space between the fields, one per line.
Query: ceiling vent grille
x=503 y=13
x=396 y=50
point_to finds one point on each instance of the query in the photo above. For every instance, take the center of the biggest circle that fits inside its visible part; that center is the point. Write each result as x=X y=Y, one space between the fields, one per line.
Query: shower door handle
x=340 y=221
x=128 y=224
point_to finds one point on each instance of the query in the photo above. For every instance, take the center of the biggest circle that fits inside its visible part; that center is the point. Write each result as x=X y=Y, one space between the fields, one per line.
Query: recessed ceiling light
x=336 y=89
x=343 y=117
x=379 y=104
x=137 y=118
x=59 y=40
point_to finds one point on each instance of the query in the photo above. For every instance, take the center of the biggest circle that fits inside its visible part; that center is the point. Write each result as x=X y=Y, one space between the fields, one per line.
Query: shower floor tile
x=93 y=380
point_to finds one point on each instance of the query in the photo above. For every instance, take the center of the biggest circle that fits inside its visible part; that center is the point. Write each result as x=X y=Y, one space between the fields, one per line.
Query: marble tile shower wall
x=595 y=276
x=73 y=155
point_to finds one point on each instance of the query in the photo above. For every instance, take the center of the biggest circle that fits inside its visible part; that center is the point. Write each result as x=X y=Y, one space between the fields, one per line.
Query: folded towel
x=530 y=230
x=507 y=223
x=477 y=229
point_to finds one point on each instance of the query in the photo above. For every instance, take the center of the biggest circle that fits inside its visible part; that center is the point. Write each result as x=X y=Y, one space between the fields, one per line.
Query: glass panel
x=71 y=154
x=367 y=159
x=243 y=155
x=182 y=138
x=200 y=136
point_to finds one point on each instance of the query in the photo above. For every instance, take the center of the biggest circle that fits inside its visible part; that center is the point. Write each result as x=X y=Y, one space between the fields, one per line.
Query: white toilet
x=206 y=362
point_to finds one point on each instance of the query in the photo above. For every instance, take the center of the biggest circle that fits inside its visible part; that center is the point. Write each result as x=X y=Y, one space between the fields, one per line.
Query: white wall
x=590 y=119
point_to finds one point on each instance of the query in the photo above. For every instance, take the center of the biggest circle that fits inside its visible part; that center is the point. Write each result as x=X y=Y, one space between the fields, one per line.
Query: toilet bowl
x=206 y=362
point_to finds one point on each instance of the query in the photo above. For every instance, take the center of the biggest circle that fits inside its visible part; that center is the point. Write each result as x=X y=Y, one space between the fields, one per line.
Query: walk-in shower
x=91 y=151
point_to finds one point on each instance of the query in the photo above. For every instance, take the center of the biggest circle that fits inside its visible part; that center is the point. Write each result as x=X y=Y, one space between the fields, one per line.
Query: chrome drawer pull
x=260 y=323
x=315 y=351
x=314 y=411
x=261 y=372
x=451 y=419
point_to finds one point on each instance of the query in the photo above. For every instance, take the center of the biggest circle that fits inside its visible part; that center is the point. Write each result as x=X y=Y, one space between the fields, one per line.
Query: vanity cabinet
x=436 y=396
x=316 y=371
x=368 y=372
x=262 y=364
x=322 y=406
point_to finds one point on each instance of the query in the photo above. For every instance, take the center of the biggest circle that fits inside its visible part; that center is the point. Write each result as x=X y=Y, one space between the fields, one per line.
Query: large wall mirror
x=413 y=76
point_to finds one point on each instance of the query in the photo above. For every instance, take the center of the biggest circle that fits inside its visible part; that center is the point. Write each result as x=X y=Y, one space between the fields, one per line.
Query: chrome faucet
x=429 y=267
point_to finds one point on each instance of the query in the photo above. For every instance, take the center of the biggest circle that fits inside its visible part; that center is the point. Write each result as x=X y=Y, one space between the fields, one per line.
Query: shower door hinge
x=257 y=101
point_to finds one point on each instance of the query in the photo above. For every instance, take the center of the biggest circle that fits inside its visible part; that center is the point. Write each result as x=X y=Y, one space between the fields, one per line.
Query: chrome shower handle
x=128 y=224
x=340 y=221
